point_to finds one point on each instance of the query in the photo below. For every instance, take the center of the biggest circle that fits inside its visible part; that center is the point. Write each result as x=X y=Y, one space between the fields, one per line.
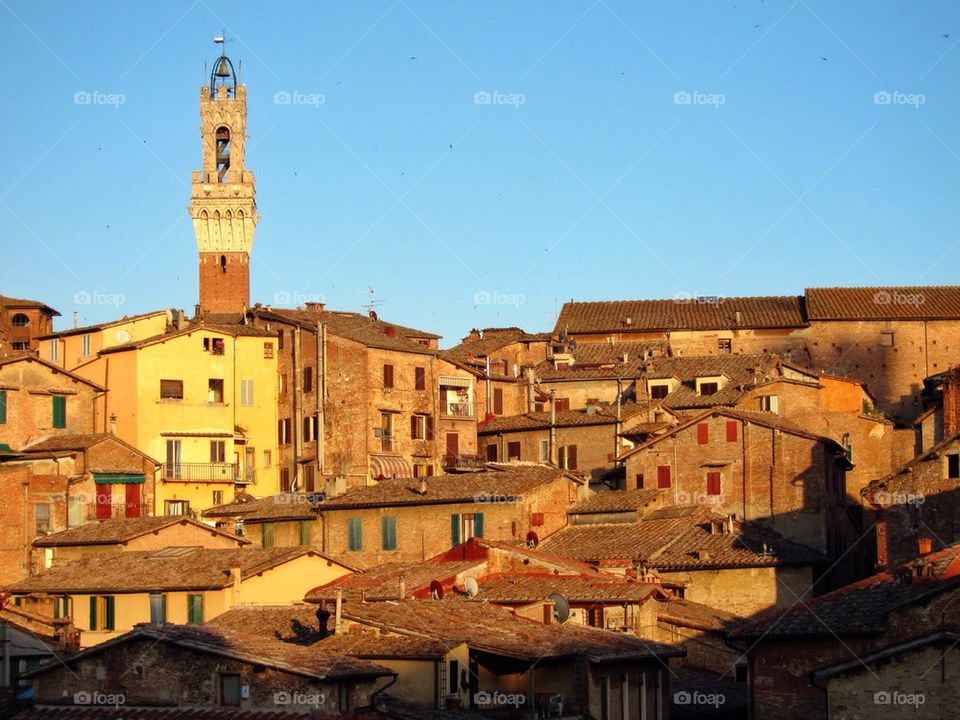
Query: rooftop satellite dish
x=561 y=607
x=436 y=590
x=532 y=540
x=471 y=586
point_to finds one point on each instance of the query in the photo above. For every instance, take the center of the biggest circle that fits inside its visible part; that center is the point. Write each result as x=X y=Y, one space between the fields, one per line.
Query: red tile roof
x=884 y=303
x=613 y=501
x=472 y=349
x=541 y=421
x=22 y=303
x=122 y=530
x=681 y=314
x=689 y=614
x=521 y=588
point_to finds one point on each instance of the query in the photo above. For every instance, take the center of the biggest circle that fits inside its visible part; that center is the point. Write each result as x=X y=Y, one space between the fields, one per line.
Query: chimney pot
x=925 y=545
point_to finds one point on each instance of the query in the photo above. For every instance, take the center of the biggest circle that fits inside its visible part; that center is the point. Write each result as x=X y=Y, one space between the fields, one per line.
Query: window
x=284 y=431
x=388 y=376
x=418 y=427
x=309 y=478
x=158 y=608
x=20 y=345
x=218 y=451
x=285 y=479
x=194 y=609
x=724 y=346
x=267 y=350
x=61 y=607
x=246 y=393
x=85 y=345
x=222 y=135
x=658 y=392
x=176 y=507
x=354 y=534
x=498 y=401
x=513 y=451
x=663 y=476
x=54 y=350
x=465 y=526
x=731 y=430
x=59 y=411
x=953 y=466
x=454 y=676
x=41 y=515
x=543 y=451
x=171 y=389
x=388 y=532
x=386 y=431
x=769 y=403
x=280 y=335
x=419 y=378
x=491 y=452
x=304 y=532
x=708 y=388
x=268 y=535
x=308 y=379
x=568 y=457
x=283 y=384
x=713 y=483
x=229 y=689
x=215 y=390
x=3 y=407
x=101 y=612
x=703 y=433
x=218 y=497
x=310 y=428
x=886 y=339
x=20 y=320
x=639 y=481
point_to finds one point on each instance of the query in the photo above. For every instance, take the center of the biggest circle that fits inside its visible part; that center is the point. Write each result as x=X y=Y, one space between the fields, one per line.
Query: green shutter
x=266 y=536
x=93 y=612
x=195 y=609
x=478 y=525
x=3 y=406
x=59 y=411
x=56 y=608
x=454 y=529
x=109 y=604
x=163 y=608
x=304 y=532
x=355 y=533
x=388 y=532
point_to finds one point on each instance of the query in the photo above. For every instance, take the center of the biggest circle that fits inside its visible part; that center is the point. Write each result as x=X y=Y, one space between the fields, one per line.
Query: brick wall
x=594 y=443
x=224 y=282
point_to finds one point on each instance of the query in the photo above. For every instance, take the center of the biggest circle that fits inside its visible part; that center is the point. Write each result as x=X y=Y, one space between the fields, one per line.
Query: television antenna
x=372 y=303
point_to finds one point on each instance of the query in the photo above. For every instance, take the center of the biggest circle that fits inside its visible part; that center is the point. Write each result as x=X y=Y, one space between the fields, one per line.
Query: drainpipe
x=531 y=389
x=553 y=427
x=489 y=408
x=339 y=609
x=235 y=579
x=618 y=424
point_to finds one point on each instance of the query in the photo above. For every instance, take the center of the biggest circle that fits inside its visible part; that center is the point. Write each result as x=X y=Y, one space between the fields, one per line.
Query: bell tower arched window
x=223 y=152
x=223 y=263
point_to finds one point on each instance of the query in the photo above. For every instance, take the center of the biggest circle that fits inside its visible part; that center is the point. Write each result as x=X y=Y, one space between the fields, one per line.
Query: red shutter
x=429 y=427
x=497 y=401
x=561 y=404
x=413 y=427
x=731 y=431
x=420 y=378
x=663 y=476
x=571 y=457
x=388 y=376
x=713 y=483
x=536 y=519
x=104 y=498
x=703 y=433
x=491 y=453
x=133 y=509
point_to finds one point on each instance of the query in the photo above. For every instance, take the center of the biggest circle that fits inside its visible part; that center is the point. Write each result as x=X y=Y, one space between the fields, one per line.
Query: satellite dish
x=471 y=586
x=436 y=590
x=561 y=607
x=532 y=540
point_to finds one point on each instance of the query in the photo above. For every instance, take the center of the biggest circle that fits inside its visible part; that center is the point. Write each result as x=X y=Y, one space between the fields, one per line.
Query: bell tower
x=223 y=204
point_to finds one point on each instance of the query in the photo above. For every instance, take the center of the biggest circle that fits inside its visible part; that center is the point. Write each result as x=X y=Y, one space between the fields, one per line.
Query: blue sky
x=600 y=150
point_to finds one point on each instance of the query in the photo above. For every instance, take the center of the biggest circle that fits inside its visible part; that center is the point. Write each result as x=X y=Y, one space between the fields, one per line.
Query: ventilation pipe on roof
x=403 y=588
x=339 y=608
x=76 y=318
x=323 y=617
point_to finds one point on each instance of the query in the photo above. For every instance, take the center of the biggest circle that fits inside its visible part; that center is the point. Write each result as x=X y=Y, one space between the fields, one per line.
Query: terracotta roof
x=611 y=501
x=234 y=330
x=680 y=538
x=22 y=303
x=861 y=607
x=99 y=326
x=686 y=613
x=541 y=421
x=141 y=571
x=594 y=361
x=121 y=530
x=282 y=506
x=493 y=339
x=520 y=588
x=383 y=582
x=884 y=303
x=489 y=628
x=681 y=314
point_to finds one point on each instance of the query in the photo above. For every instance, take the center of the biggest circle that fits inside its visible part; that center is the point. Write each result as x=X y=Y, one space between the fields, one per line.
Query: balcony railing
x=248 y=476
x=201 y=472
x=463 y=462
x=457 y=409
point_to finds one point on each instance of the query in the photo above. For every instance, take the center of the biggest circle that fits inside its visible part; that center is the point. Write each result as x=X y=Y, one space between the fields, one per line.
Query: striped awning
x=389 y=466
x=455 y=381
x=111 y=478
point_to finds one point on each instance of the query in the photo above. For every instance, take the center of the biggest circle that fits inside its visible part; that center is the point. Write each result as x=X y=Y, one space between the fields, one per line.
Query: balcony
x=464 y=462
x=248 y=477
x=201 y=472
x=457 y=409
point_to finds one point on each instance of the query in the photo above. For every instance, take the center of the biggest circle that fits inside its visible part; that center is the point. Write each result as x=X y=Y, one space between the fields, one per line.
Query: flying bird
x=823 y=58
x=946 y=35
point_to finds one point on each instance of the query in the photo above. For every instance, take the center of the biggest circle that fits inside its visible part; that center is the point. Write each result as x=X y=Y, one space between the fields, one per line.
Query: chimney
x=951 y=402
x=925 y=545
x=314 y=306
x=323 y=617
x=235 y=578
x=336 y=623
x=403 y=588
x=113 y=423
x=422 y=489
x=730 y=519
x=703 y=554
x=76 y=319
x=738 y=317
x=390 y=331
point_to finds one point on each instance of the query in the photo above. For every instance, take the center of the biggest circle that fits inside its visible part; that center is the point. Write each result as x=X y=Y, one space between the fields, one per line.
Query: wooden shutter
x=429 y=427
x=478 y=525
x=388 y=376
x=513 y=451
x=703 y=433
x=498 y=401
x=663 y=476
x=109 y=608
x=59 y=411
x=561 y=404
x=420 y=378
x=713 y=483
x=355 y=533
x=132 y=491
x=571 y=457
x=388 y=532
x=413 y=427
x=93 y=612
x=454 y=529
x=3 y=406
x=491 y=453
x=731 y=430
x=103 y=500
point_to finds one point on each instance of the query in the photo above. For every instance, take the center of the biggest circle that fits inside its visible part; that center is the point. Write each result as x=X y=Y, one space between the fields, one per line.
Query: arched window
x=203 y=215
x=223 y=263
x=223 y=152
x=19 y=320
